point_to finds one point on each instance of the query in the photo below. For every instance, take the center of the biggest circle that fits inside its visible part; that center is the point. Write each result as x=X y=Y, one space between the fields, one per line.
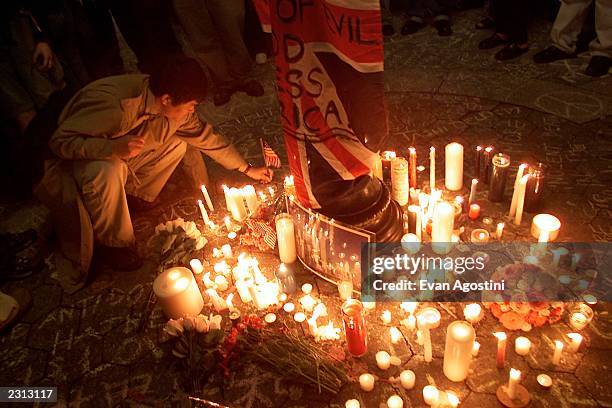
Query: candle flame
x=500 y=336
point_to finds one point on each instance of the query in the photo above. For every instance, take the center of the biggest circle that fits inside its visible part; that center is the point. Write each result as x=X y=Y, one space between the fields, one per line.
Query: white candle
x=453 y=166
x=575 y=341
x=432 y=168
x=442 y=228
x=395 y=334
x=399 y=181
x=196 y=266
x=352 y=403
x=425 y=337
x=228 y=222
x=545 y=223
x=221 y=282
x=431 y=394
x=501 y=348
x=479 y=236
x=432 y=317
x=409 y=307
x=544 y=380
x=515 y=377
x=411 y=243
x=473 y=313
x=475 y=349
x=395 y=401
x=458 y=350
x=227 y=251
x=383 y=360
x=409 y=322
x=519 y=175
x=345 y=289
x=312 y=326
x=217 y=301
x=407 y=379
x=229 y=302
x=251 y=199
x=299 y=317
x=203 y=212
x=473 y=192
x=522 y=346
x=236 y=204
x=366 y=382
x=243 y=286
x=453 y=399
x=500 y=230
x=377 y=168
x=520 y=199
x=207 y=197
x=285 y=232
x=207 y=281
x=543 y=238
x=557 y=353
x=226 y=194
x=386 y=317
x=178 y=293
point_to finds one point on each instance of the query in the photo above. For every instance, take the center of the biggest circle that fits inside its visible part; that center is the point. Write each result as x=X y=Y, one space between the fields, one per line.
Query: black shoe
x=388 y=30
x=492 y=42
x=137 y=204
x=598 y=66
x=551 y=54
x=251 y=88
x=222 y=95
x=443 y=27
x=510 y=51
x=411 y=27
x=120 y=258
x=485 y=24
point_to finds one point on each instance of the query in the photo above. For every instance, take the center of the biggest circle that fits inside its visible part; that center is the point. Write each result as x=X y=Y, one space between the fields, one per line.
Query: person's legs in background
x=601 y=47
x=416 y=12
x=514 y=26
x=441 y=9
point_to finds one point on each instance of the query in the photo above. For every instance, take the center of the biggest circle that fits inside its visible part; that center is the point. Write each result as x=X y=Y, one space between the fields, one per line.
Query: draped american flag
x=270 y=156
x=264 y=230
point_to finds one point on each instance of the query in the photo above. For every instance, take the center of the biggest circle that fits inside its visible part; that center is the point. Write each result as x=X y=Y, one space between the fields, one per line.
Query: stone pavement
x=102 y=348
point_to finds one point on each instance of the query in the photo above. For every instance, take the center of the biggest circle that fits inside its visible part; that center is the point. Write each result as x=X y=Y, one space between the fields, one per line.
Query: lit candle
x=236 y=204
x=412 y=162
x=411 y=243
x=442 y=228
x=407 y=379
x=522 y=346
x=395 y=335
x=366 y=382
x=352 y=403
x=473 y=313
x=377 y=168
x=395 y=401
x=499 y=173
x=543 y=238
x=383 y=360
x=425 y=337
x=515 y=377
x=474 y=212
x=242 y=286
x=519 y=176
x=545 y=223
x=399 y=181
x=354 y=327
x=432 y=168
x=229 y=302
x=453 y=399
x=178 y=293
x=477 y=160
x=228 y=222
x=196 y=266
x=251 y=199
x=409 y=307
x=386 y=317
x=557 y=353
x=453 y=179
x=500 y=230
x=458 y=350
x=387 y=157
x=227 y=251
x=431 y=394
x=221 y=283
x=217 y=301
x=299 y=317
x=270 y=318
x=289 y=307
x=312 y=326
x=473 y=192
x=285 y=279
x=475 y=349
x=544 y=380
x=207 y=281
x=520 y=200
x=285 y=232
x=501 y=348
x=207 y=197
x=203 y=212
x=479 y=236
x=575 y=341
x=345 y=289
x=432 y=317
x=534 y=191
x=487 y=164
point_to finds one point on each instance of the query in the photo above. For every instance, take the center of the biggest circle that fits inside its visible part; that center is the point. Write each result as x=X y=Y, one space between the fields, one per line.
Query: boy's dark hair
x=182 y=78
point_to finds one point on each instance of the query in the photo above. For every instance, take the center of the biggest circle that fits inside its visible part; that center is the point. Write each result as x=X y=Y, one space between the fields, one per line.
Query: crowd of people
x=110 y=141
x=579 y=26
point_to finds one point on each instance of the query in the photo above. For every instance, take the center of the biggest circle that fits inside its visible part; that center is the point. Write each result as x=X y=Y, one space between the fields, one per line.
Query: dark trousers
x=419 y=9
x=511 y=17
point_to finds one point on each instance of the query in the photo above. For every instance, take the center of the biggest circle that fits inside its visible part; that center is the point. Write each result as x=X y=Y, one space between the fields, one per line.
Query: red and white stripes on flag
x=263 y=229
x=270 y=156
x=313 y=114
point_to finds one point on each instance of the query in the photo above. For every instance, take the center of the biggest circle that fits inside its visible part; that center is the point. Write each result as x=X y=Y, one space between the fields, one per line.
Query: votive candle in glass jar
x=499 y=174
x=580 y=315
x=354 y=327
x=534 y=190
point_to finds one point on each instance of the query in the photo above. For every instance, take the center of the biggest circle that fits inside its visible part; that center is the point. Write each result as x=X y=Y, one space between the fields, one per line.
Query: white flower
x=202 y=325
x=174 y=327
x=215 y=322
x=189 y=323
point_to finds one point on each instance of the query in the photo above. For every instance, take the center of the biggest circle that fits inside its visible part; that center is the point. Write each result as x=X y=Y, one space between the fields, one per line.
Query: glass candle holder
x=534 y=190
x=499 y=174
x=285 y=279
x=580 y=315
x=354 y=327
x=285 y=233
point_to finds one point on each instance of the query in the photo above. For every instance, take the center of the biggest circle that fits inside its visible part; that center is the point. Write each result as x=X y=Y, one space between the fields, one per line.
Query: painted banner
x=329 y=65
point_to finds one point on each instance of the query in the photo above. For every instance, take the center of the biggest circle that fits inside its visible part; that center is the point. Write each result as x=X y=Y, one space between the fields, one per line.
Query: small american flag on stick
x=270 y=157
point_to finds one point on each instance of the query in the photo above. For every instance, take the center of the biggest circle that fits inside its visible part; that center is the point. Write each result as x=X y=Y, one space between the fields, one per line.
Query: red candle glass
x=412 y=166
x=354 y=327
x=474 y=212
